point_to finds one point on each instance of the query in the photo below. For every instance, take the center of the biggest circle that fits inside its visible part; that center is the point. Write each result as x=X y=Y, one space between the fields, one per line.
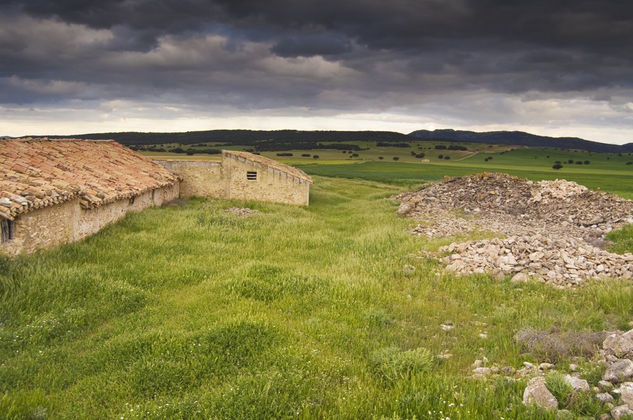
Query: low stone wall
x=270 y=184
x=42 y=228
x=199 y=178
x=68 y=222
x=93 y=220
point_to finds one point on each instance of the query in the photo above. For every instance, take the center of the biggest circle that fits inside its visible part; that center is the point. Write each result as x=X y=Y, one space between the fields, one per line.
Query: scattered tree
x=557 y=165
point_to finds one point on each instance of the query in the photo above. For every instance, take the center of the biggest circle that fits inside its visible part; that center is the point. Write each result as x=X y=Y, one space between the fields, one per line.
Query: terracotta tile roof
x=36 y=173
x=298 y=173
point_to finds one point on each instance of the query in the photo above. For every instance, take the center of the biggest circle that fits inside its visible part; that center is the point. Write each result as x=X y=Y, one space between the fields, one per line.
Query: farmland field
x=329 y=311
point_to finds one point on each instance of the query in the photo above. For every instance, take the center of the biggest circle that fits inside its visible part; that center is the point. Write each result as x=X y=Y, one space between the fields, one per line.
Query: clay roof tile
x=98 y=171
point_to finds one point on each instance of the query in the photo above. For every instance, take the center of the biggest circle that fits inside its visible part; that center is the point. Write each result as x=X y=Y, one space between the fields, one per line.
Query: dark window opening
x=8 y=230
x=251 y=175
x=132 y=200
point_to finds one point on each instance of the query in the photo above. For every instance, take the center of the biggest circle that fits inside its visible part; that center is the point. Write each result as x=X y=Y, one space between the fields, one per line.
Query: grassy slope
x=608 y=177
x=191 y=312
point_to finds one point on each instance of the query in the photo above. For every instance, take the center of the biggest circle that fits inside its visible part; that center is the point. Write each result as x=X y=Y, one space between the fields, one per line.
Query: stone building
x=59 y=191
x=242 y=176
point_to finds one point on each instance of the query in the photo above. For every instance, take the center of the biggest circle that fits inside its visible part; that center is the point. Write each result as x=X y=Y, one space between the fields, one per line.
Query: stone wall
x=228 y=180
x=42 y=228
x=270 y=184
x=93 y=220
x=199 y=178
x=68 y=222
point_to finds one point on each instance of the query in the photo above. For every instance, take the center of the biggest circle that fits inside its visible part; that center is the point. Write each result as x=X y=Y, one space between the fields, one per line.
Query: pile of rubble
x=554 y=230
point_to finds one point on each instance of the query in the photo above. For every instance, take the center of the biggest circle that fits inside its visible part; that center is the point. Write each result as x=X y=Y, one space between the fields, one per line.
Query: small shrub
x=456 y=147
x=419 y=155
x=380 y=158
x=306 y=155
x=587 y=162
x=557 y=385
x=629 y=163
x=570 y=161
x=284 y=154
x=396 y=158
x=557 y=166
x=392 y=364
x=386 y=144
x=315 y=157
x=440 y=147
x=555 y=345
x=579 y=162
x=355 y=155
x=447 y=157
x=440 y=157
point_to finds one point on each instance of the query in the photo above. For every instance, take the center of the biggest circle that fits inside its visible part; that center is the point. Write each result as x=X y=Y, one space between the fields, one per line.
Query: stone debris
x=605 y=397
x=577 y=384
x=447 y=326
x=241 y=212
x=537 y=393
x=621 y=411
x=619 y=371
x=554 y=230
x=620 y=346
x=605 y=385
x=626 y=394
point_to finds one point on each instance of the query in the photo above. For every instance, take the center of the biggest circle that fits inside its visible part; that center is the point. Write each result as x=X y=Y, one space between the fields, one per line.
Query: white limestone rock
x=536 y=393
x=619 y=371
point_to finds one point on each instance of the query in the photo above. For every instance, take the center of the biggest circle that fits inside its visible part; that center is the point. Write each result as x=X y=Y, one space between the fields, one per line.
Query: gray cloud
x=323 y=57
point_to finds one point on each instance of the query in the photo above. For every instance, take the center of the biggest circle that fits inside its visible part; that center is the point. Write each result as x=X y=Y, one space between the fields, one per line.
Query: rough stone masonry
x=549 y=230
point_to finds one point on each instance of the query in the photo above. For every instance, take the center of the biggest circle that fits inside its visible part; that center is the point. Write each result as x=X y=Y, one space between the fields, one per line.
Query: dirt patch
x=178 y=202
x=554 y=230
x=241 y=211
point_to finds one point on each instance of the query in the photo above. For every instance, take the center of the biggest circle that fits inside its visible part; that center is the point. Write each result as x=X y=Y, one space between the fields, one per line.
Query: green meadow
x=329 y=311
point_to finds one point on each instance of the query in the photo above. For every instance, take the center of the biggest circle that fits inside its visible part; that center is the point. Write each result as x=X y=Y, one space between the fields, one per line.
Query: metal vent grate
x=251 y=175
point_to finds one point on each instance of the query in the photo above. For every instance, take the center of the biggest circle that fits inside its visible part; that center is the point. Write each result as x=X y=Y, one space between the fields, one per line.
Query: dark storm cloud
x=319 y=54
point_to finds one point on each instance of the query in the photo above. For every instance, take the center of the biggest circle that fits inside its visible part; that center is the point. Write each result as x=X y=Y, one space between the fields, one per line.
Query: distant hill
x=262 y=138
x=298 y=139
x=521 y=138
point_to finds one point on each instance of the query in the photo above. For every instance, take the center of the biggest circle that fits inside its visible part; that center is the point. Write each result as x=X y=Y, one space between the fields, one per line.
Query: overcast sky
x=561 y=68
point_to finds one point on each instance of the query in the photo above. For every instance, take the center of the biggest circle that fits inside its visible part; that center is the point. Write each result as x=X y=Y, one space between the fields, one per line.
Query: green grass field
x=190 y=312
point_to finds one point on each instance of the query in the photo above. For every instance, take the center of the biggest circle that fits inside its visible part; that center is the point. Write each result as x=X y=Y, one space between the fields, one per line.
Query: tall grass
x=191 y=312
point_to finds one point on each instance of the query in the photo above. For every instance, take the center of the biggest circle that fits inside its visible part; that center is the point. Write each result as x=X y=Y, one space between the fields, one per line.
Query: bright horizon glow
x=343 y=122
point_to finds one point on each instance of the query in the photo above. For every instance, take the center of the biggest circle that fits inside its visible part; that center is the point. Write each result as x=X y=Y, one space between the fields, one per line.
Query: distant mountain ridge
x=280 y=139
x=245 y=137
x=520 y=138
